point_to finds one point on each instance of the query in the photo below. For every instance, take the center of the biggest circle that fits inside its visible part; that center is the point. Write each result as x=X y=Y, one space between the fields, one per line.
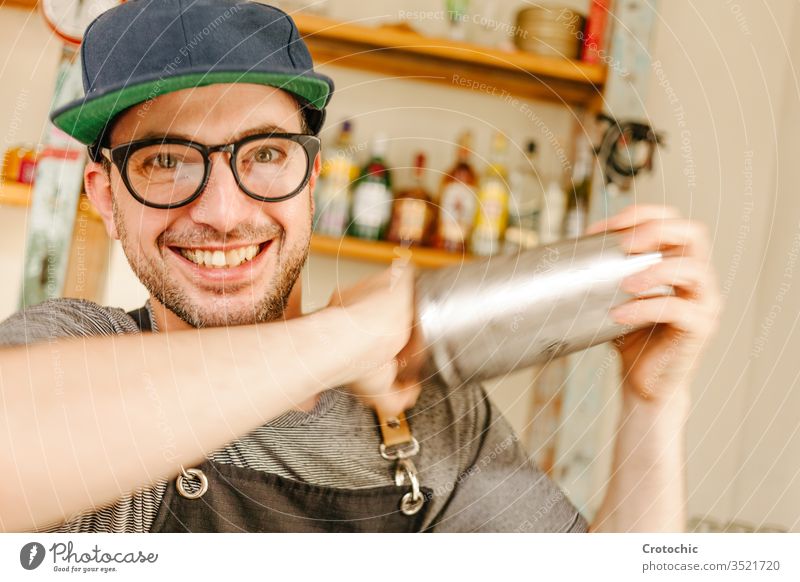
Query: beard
x=226 y=309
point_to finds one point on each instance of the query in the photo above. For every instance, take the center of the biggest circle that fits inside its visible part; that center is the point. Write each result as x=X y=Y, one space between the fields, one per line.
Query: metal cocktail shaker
x=483 y=319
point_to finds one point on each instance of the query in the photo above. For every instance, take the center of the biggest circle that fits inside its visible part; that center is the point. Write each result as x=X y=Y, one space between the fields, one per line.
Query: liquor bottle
x=372 y=196
x=457 y=201
x=492 y=217
x=579 y=190
x=412 y=210
x=525 y=205
x=12 y=162
x=332 y=194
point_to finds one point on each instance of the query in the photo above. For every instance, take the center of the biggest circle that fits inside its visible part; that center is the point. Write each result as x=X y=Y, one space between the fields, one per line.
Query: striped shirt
x=469 y=456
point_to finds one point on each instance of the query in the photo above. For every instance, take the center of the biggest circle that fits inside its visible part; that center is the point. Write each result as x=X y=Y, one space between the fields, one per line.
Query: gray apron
x=218 y=497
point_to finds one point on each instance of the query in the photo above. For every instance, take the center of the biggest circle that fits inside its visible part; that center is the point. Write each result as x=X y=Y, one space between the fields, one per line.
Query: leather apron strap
x=400 y=445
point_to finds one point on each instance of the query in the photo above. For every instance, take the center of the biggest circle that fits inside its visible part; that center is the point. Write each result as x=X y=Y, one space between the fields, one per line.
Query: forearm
x=647 y=491
x=87 y=420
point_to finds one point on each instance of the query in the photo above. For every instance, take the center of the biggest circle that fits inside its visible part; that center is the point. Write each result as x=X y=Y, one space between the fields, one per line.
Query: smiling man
x=227 y=413
x=220 y=258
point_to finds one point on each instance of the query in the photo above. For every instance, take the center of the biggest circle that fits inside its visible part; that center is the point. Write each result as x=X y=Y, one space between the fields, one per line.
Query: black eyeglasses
x=171 y=172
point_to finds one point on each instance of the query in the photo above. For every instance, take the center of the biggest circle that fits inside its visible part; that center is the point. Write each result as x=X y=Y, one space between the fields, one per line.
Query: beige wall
x=28 y=61
x=738 y=94
x=728 y=79
x=767 y=478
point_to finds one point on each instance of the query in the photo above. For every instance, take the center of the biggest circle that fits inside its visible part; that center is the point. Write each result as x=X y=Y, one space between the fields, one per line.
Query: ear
x=312 y=181
x=98 y=190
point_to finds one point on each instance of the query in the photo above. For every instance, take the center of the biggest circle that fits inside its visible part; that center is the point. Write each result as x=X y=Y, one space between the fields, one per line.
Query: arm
x=646 y=490
x=87 y=420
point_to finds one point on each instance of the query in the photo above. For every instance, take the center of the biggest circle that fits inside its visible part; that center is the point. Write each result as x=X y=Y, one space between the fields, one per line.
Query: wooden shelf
x=29 y=4
x=401 y=53
x=15 y=194
x=383 y=252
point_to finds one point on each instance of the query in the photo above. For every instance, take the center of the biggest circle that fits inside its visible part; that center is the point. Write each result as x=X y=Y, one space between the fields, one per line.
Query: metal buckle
x=401 y=451
x=412 y=501
x=189 y=475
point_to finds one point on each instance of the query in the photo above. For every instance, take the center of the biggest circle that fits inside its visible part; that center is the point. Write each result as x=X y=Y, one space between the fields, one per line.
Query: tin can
x=484 y=319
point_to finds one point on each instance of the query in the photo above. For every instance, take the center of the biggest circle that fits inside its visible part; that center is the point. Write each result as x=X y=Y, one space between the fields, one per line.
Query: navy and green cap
x=146 y=48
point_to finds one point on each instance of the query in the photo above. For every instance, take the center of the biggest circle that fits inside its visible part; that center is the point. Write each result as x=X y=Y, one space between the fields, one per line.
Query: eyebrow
x=236 y=137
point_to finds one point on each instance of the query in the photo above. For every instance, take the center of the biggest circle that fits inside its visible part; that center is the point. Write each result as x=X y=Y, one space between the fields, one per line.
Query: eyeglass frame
x=120 y=155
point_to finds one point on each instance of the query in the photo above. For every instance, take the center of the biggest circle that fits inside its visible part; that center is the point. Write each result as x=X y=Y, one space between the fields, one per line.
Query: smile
x=222 y=259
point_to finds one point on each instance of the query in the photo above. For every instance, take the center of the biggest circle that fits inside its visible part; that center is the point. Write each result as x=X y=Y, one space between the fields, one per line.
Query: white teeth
x=220 y=259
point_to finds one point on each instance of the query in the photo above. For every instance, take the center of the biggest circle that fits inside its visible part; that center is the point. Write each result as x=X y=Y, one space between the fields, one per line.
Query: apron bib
x=246 y=500
x=218 y=497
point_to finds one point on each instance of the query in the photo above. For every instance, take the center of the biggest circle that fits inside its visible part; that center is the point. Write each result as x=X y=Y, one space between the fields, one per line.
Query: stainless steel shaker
x=483 y=319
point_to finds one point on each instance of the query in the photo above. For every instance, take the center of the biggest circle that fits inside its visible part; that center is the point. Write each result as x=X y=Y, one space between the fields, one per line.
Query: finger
x=407 y=393
x=633 y=215
x=375 y=387
x=412 y=357
x=685 y=274
x=679 y=313
x=400 y=398
x=690 y=235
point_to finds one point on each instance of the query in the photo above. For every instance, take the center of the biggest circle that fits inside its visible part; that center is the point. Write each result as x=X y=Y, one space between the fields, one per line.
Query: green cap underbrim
x=86 y=118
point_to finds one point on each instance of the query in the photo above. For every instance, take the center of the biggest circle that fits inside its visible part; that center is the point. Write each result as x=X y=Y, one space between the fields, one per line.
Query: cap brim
x=85 y=118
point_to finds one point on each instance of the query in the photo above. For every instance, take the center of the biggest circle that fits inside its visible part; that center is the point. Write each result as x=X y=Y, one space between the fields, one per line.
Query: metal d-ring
x=412 y=501
x=190 y=475
x=401 y=451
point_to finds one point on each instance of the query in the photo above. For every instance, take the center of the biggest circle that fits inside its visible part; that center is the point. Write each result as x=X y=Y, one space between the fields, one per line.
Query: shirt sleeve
x=63 y=318
x=502 y=490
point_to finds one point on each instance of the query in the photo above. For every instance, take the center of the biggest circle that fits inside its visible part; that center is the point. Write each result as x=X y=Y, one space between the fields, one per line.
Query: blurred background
x=693 y=105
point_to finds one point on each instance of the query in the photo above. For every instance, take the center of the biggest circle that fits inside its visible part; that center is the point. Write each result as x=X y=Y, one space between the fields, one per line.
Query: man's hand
x=382 y=307
x=661 y=359
x=647 y=490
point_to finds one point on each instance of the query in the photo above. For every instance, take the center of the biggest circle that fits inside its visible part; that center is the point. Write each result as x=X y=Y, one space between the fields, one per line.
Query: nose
x=222 y=205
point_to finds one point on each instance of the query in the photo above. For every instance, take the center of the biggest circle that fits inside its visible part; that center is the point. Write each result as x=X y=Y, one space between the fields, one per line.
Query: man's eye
x=165 y=161
x=266 y=155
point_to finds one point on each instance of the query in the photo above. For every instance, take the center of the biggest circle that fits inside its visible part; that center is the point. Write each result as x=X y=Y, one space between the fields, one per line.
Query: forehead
x=210 y=114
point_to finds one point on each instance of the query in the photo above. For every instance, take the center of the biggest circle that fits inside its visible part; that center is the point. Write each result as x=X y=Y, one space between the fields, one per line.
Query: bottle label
x=411 y=219
x=457 y=213
x=493 y=212
x=372 y=205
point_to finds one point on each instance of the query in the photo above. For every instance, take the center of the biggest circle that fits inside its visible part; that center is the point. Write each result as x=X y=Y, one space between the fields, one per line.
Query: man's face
x=164 y=247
